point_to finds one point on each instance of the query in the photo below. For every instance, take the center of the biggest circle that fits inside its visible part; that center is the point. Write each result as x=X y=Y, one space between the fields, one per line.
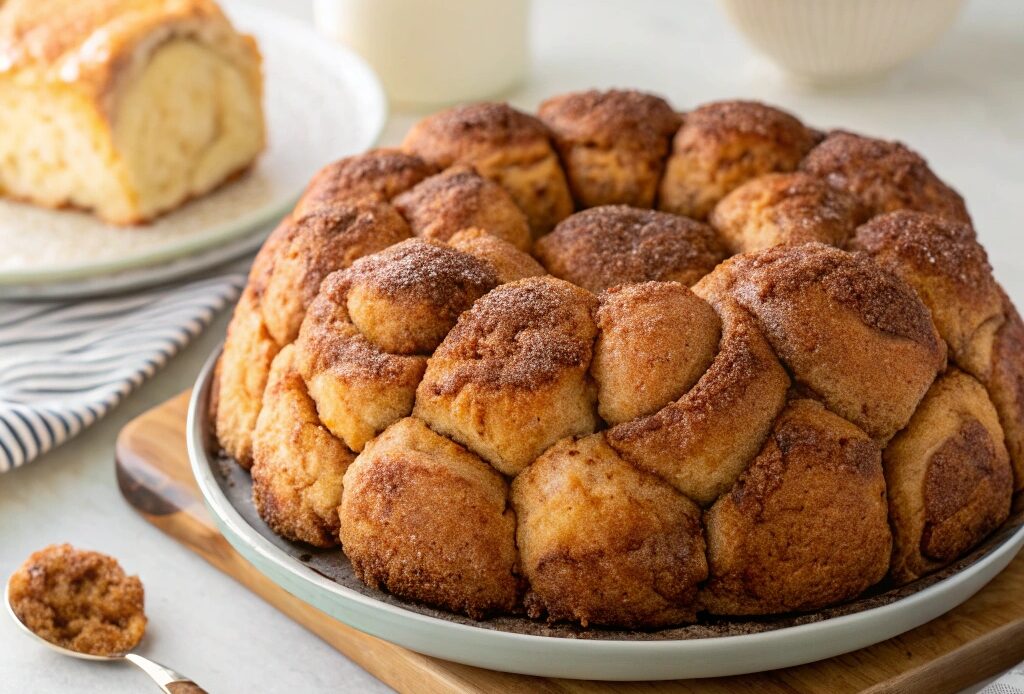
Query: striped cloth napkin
x=64 y=365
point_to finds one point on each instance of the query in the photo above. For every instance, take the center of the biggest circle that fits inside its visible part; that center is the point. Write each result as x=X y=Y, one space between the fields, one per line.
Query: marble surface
x=961 y=104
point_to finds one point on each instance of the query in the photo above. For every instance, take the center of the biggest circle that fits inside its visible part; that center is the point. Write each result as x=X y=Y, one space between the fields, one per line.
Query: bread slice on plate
x=127 y=108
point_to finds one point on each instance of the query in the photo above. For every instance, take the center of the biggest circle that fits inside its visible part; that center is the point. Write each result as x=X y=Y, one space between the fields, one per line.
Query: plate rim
x=373 y=99
x=601 y=658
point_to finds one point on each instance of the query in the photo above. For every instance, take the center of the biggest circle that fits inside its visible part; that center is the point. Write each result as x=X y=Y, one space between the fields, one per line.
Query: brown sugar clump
x=79 y=600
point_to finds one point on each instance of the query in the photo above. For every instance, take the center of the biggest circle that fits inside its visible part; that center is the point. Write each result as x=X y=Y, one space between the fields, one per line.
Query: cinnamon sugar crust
x=298 y=464
x=606 y=246
x=884 y=176
x=603 y=543
x=359 y=389
x=701 y=442
x=784 y=208
x=772 y=537
x=613 y=144
x=329 y=239
x=854 y=335
x=459 y=198
x=947 y=267
x=1006 y=386
x=509 y=262
x=406 y=298
x=506 y=145
x=511 y=377
x=948 y=475
x=380 y=173
x=724 y=144
x=427 y=520
x=242 y=372
x=655 y=340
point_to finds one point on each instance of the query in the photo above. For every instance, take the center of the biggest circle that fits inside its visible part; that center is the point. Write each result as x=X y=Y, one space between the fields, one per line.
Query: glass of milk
x=434 y=52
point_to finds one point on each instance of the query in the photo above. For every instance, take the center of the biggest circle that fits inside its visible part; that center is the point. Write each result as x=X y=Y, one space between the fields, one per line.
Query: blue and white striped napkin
x=64 y=365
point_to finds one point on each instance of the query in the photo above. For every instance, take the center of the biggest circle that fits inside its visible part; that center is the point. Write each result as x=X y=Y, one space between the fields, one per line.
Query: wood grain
x=980 y=638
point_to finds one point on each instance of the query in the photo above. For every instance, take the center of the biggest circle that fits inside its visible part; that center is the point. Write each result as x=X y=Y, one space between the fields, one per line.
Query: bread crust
x=722 y=145
x=852 y=334
x=948 y=475
x=382 y=173
x=603 y=543
x=427 y=520
x=1006 y=386
x=783 y=209
x=509 y=262
x=505 y=145
x=701 y=442
x=318 y=243
x=459 y=198
x=298 y=465
x=942 y=260
x=772 y=539
x=884 y=176
x=613 y=144
x=406 y=298
x=603 y=247
x=655 y=340
x=511 y=378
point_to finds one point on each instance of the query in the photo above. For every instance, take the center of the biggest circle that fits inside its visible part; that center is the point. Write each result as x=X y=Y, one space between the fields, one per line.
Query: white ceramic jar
x=838 y=40
x=434 y=52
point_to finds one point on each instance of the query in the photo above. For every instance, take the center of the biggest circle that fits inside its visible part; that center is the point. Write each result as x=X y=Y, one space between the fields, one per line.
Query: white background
x=961 y=104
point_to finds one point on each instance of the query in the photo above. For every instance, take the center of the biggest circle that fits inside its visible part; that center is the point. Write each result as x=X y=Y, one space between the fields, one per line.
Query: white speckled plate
x=322 y=102
x=324 y=579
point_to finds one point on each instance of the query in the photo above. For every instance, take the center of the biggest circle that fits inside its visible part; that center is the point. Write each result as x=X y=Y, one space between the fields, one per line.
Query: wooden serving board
x=981 y=638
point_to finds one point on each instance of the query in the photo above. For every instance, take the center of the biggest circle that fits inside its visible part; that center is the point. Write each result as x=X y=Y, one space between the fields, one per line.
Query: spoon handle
x=169 y=681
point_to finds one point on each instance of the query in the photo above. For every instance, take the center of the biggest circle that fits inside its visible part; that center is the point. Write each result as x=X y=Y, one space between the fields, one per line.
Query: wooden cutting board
x=980 y=638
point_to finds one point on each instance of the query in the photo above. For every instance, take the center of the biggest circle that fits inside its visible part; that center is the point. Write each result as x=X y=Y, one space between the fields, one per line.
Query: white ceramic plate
x=134 y=279
x=322 y=102
x=644 y=656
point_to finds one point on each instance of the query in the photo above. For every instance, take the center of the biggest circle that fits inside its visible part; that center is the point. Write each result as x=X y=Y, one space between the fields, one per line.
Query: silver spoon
x=168 y=680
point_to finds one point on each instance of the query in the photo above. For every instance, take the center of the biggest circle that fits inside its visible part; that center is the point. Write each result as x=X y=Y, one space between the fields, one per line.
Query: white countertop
x=961 y=104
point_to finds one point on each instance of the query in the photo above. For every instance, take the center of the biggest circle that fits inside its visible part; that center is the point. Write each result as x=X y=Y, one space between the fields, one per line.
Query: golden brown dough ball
x=459 y=198
x=614 y=144
x=241 y=377
x=701 y=442
x=267 y=255
x=603 y=543
x=784 y=208
x=853 y=334
x=298 y=464
x=655 y=341
x=359 y=390
x=943 y=261
x=380 y=173
x=883 y=176
x=606 y=246
x=948 y=475
x=724 y=144
x=504 y=145
x=406 y=298
x=805 y=526
x=1006 y=386
x=511 y=377
x=426 y=520
x=509 y=262
x=329 y=239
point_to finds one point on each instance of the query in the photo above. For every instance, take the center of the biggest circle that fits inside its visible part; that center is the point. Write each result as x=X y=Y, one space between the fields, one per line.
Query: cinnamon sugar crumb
x=79 y=600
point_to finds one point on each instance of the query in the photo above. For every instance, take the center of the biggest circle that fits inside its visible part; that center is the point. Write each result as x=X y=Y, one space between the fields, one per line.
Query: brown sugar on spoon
x=79 y=600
